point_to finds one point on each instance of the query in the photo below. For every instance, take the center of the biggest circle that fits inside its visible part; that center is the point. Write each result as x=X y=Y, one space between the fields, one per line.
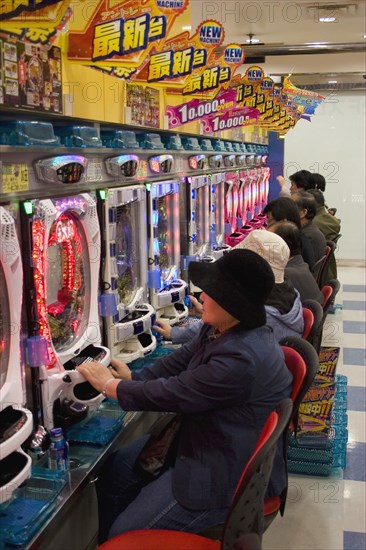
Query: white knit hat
x=271 y=247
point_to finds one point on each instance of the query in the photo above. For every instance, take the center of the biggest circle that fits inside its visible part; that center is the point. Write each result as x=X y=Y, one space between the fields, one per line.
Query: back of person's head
x=271 y=247
x=305 y=201
x=319 y=181
x=240 y=282
x=318 y=196
x=303 y=179
x=291 y=234
x=283 y=208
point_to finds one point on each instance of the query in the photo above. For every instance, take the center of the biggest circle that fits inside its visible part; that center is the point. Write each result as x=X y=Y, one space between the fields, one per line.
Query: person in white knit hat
x=283 y=306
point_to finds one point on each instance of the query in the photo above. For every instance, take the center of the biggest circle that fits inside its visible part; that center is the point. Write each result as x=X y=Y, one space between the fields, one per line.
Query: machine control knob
x=67 y=378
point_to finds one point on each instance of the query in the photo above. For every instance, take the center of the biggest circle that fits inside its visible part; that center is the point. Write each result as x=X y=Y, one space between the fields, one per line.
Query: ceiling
x=292 y=38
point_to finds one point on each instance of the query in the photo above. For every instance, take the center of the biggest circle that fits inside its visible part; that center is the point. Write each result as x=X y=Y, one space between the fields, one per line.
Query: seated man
x=329 y=225
x=307 y=209
x=296 y=270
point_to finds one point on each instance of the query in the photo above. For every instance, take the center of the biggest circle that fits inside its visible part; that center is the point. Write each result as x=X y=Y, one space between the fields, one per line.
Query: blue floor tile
x=356 y=398
x=356 y=462
x=354 y=327
x=358 y=305
x=354 y=288
x=354 y=541
x=354 y=356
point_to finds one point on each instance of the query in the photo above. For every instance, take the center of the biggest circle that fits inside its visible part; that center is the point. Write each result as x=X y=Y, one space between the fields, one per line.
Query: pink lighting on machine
x=64 y=233
x=39 y=280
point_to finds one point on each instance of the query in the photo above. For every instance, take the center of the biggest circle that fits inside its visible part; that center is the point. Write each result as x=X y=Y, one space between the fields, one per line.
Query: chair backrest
x=246 y=510
x=317 y=311
x=329 y=291
x=323 y=273
x=308 y=322
x=316 y=268
x=303 y=361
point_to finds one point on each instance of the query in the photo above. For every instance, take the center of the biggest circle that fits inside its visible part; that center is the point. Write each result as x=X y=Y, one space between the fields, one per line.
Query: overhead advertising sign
x=125 y=31
x=232 y=118
x=198 y=108
x=36 y=22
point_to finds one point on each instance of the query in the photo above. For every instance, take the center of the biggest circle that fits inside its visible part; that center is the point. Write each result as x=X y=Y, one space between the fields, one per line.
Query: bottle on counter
x=58 y=453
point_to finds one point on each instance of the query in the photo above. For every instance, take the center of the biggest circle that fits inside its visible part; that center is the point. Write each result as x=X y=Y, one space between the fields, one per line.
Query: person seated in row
x=329 y=225
x=307 y=210
x=224 y=383
x=285 y=209
x=301 y=180
x=283 y=306
x=296 y=270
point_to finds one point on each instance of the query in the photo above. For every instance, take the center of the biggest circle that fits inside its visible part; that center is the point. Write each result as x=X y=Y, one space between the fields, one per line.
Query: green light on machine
x=102 y=194
x=28 y=207
x=148 y=186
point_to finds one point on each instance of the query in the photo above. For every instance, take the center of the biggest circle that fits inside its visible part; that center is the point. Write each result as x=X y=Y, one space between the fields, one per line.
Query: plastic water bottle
x=58 y=453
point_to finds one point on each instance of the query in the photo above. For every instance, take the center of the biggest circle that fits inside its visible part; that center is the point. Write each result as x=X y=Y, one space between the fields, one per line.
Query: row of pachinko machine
x=97 y=230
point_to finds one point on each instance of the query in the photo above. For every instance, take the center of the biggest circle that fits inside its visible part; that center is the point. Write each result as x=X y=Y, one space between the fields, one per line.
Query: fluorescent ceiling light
x=252 y=40
x=327 y=19
x=332 y=81
x=187 y=28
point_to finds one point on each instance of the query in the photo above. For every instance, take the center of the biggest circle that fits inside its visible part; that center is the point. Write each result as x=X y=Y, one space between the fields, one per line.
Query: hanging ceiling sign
x=198 y=108
x=181 y=56
x=231 y=118
x=35 y=22
x=125 y=31
x=308 y=99
x=216 y=74
x=31 y=11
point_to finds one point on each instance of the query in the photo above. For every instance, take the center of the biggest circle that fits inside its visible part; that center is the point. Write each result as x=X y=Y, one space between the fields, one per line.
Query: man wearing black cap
x=224 y=383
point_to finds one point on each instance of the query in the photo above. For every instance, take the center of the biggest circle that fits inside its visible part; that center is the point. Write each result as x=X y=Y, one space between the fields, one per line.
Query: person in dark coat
x=285 y=209
x=224 y=383
x=329 y=225
x=307 y=210
x=296 y=270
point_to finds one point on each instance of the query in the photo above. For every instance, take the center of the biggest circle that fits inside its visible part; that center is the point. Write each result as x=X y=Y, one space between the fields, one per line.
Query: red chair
x=322 y=278
x=317 y=311
x=329 y=291
x=245 y=515
x=302 y=360
x=308 y=322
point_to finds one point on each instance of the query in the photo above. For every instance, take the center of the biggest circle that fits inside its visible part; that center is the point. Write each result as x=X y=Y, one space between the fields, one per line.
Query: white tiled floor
x=328 y=513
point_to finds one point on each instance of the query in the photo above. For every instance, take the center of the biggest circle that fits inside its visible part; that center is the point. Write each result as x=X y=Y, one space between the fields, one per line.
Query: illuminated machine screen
x=67 y=281
x=4 y=328
x=128 y=261
x=163 y=236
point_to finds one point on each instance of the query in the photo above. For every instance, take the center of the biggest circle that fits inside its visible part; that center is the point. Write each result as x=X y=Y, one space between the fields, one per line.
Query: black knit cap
x=240 y=282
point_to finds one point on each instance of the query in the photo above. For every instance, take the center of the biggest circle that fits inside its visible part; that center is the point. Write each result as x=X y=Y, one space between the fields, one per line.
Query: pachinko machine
x=62 y=240
x=166 y=289
x=16 y=421
x=128 y=317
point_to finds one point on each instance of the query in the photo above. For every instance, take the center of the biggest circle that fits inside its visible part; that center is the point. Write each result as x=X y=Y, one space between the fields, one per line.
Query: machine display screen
x=199 y=216
x=70 y=173
x=128 y=260
x=163 y=234
x=4 y=328
x=67 y=281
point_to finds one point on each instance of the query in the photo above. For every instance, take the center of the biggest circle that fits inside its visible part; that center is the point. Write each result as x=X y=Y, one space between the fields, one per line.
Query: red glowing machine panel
x=65 y=251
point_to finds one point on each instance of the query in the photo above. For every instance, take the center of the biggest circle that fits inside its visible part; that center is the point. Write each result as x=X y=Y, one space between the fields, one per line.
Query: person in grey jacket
x=224 y=383
x=283 y=305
